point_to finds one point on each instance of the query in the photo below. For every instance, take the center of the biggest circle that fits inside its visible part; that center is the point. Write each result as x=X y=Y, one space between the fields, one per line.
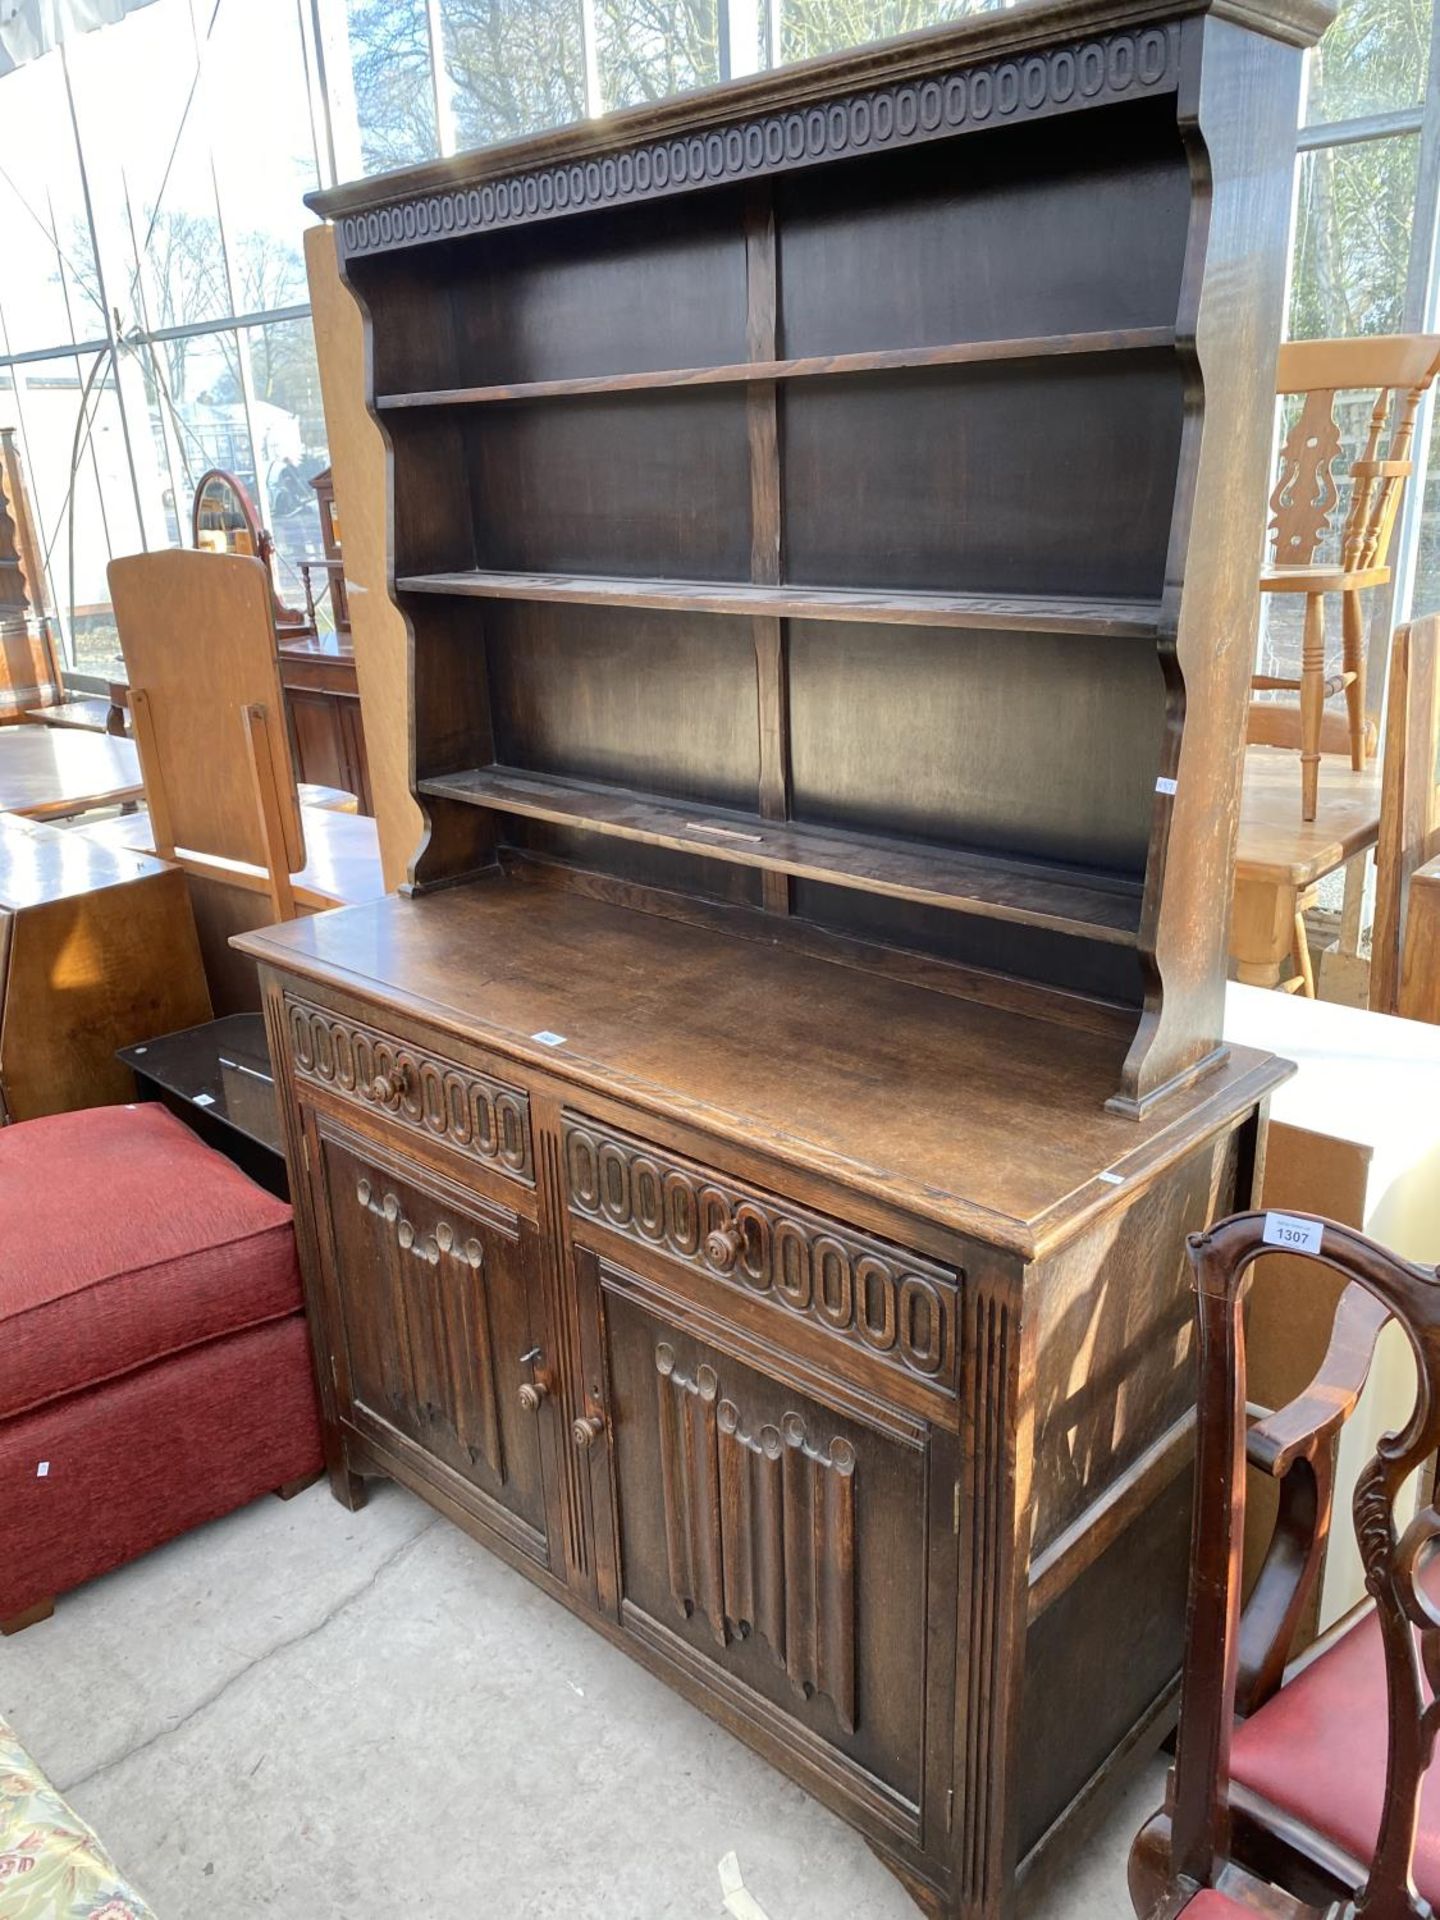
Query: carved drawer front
x=422 y=1091
x=440 y=1327
x=893 y=1305
x=770 y=1535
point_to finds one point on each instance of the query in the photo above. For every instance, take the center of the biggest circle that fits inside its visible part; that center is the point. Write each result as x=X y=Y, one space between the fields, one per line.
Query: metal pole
x=590 y=51
x=1422 y=307
x=440 y=80
x=112 y=342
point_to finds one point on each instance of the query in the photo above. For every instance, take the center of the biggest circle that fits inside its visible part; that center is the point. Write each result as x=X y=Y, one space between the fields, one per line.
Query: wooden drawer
x=421 y=1092
x=897 y=1309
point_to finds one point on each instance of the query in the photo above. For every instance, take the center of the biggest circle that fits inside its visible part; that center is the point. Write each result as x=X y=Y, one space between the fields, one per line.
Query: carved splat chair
x=1397 y=368
x=1307 y=1800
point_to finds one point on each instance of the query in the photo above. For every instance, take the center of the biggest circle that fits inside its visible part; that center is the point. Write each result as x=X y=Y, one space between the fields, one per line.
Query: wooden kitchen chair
x=1298 y=1792
x=1397 y=368
x=198 y=635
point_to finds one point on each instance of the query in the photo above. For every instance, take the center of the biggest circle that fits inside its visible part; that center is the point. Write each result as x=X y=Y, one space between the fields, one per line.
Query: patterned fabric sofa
x=52 y=1867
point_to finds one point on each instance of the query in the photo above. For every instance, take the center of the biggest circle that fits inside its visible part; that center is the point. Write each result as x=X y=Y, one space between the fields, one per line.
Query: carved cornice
x=955 y=97
x=478 y=1116
x=899 y=1308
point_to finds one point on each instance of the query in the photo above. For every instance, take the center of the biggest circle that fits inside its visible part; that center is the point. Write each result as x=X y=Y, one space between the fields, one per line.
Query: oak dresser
x=744 y=1180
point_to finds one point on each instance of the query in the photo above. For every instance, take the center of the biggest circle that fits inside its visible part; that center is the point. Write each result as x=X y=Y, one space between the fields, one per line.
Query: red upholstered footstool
x=154 y=1365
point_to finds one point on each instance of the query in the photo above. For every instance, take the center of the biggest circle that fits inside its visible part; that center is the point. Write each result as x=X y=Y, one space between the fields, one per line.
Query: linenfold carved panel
x=465 y=1109
x=962 y=99
x=894 y=1305
x=760 y=1531
x=446 y=1351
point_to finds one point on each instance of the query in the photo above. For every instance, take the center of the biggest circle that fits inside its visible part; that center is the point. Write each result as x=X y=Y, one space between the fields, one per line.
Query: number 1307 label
x=1296 y=1235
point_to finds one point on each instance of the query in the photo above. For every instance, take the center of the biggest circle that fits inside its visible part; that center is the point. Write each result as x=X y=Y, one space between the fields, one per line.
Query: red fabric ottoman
x=154 y=1366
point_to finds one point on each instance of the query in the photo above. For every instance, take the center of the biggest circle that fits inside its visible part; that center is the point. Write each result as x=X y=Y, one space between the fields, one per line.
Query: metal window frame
x=325 y=50
x=114 y=343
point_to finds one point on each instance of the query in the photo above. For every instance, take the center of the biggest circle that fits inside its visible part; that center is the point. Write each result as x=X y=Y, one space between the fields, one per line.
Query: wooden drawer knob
x=387 y=1088
x=532 y=1395
x=587 y=1430
x=722 y=1248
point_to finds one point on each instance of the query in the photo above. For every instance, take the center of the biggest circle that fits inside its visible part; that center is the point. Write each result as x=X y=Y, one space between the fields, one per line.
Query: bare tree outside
x=650 y=49
x=517 y=66
x=394 y=94
x=810 y=27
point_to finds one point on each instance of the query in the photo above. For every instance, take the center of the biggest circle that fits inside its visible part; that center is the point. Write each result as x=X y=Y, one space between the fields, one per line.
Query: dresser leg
x=926 y=1899
x=347 y=1487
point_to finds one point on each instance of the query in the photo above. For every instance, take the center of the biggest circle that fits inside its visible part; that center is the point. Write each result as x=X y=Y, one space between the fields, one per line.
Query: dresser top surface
x=982 y=1119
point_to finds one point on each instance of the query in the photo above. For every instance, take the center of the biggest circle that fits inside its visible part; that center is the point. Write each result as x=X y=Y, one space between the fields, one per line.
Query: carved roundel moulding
x=1087 y=73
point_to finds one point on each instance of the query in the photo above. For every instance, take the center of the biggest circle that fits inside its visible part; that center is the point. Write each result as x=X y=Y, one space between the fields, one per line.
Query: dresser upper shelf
x=1021 y=613
x=862 y=452
x=1029 y=893
x=808 y=367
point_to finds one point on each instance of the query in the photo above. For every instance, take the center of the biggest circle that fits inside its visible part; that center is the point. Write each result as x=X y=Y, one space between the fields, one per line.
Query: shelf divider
x=1093 y=907
x=814 y=366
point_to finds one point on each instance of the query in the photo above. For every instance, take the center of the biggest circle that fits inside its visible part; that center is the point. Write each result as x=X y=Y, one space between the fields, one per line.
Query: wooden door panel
x=778 y=1536
x=440 y=1312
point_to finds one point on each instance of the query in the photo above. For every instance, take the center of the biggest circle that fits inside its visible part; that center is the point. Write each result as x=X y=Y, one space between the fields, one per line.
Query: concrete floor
x=308 y=1713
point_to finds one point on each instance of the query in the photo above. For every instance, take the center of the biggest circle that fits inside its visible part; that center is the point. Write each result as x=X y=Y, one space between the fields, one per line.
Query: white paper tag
x=204 y=1100
x=1111 y=1179
x=548 y=1039
x=1165 y=784
x=42 y=1472
x=1295 y=1235
x=737 y=1899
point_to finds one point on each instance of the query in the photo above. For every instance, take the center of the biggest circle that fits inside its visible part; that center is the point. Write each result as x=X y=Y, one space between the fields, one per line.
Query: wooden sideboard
x=817 y=1335
x=322 y=699
x=745 y=1180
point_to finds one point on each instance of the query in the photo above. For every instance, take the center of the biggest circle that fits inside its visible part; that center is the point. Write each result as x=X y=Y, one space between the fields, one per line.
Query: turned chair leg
x=1312 y=703
x=1354 y=628
x=31 y=1617
x=1303 y=963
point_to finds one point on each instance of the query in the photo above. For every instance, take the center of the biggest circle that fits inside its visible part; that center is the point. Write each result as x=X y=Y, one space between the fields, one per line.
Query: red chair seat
x=1211 y=1905
x=124 y=1239
x=1317 y=1749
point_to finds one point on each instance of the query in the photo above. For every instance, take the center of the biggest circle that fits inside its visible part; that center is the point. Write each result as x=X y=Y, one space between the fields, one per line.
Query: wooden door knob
x=386 y=1088
x=587 y=1430
x=722 y=1248
x=532 y=1395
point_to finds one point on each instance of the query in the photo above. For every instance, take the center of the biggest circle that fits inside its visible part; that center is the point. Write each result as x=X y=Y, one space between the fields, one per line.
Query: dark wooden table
x=217 y=1078
x=48 y=773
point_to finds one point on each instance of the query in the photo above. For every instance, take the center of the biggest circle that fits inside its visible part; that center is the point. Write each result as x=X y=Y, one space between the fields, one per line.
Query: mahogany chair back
x=1230 y=1660
x=1397 y=368
x=1409 y=799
